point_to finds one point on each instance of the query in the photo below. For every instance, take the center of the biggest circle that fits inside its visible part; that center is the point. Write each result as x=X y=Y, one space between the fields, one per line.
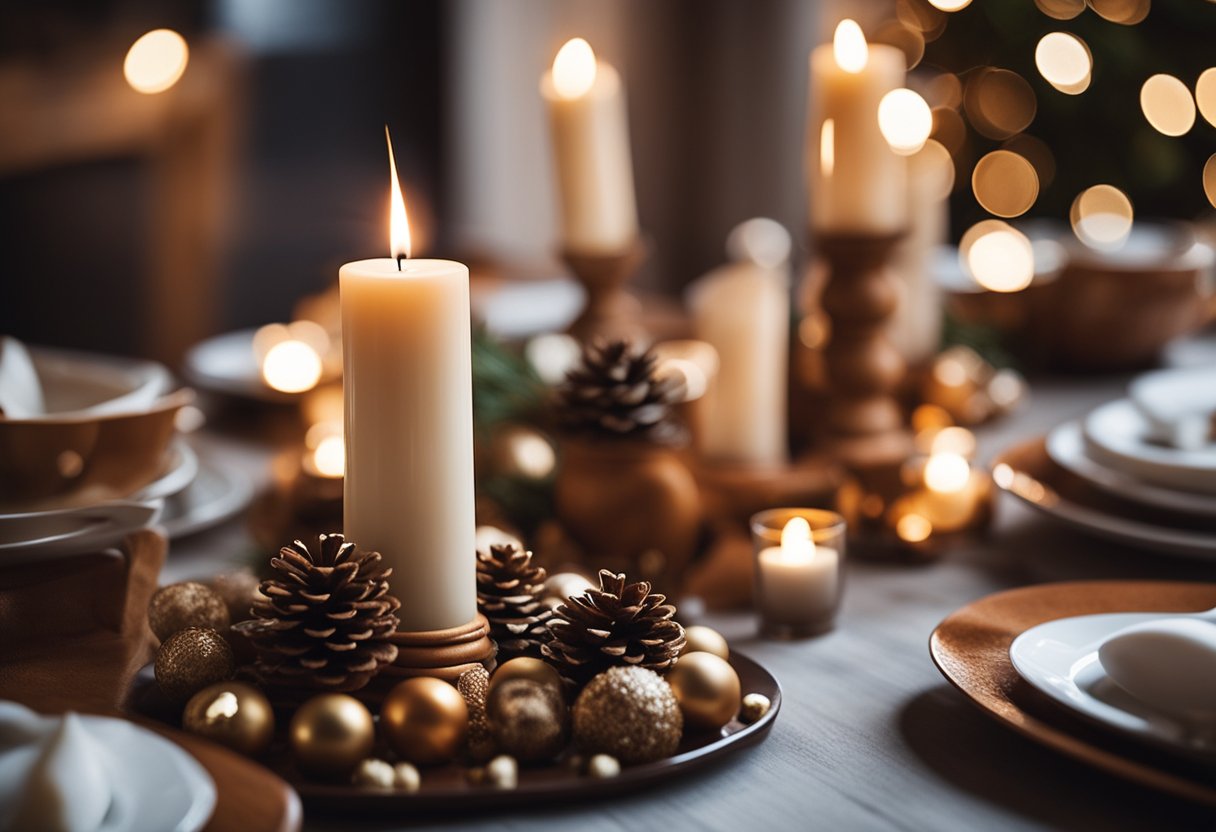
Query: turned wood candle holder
x=864 y=371
x=610 y=310
x=441 y=654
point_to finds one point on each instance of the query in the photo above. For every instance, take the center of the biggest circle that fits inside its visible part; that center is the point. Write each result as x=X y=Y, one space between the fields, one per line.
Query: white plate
x=217 y=494
x=1066 y=447
x=1178 y=401
x=79 y=534
x=227 y=364
x=1060 y=658
x=157 y=785
x=1117 y=435
x=179 y=471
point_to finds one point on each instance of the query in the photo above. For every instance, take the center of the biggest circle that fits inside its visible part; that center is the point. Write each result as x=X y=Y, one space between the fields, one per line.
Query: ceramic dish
x=80 y=533
x=971 y=649
x=217 y=494
x=1028 y=473
x=1066 y=447
x=1118 y=435
x=227 y=364
x=76 y=385
x=1060 y=658
x=1178 y=404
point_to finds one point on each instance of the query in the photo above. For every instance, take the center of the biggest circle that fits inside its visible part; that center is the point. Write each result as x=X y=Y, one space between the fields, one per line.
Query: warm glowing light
x=1168 y=105
x=552 y=355
x=937 y=169
x=1064 y=62
x=827 y=147
x=759 y=240
x=1125 y=12
x=574 y=69
x=998 y=256
x=1061 y=9
x=953 y=440
x=905 y=121
x=849 y=47
x=291 y=367
x=1005 y=184
x=156 y=61
x=1102 y=217
x=999 y=103
x=399 y=223
x=531 y=455
x=947 y=473
x=1205 y=95
x=1209 y=179
x=328 y=449
x=913 y=528
x=266 y=337
x=950 y=372
x=950 y=5
x=796 y=543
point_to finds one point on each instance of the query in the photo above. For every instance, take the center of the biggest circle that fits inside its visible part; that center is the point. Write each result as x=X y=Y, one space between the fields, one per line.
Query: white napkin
x=1169 y=664
x=20 y=389
x=1179 y=406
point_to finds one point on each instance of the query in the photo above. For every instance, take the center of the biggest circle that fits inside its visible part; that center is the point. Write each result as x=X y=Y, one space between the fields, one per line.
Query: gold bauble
x=630 y=713
x=701 y=639
x=175 y=607
x=707 y=689
x=190 y=661
x=237 y=590
x=529 y=719
x=755 y=706
x=233 y=714
x=534 y=670
x=330 y=734
x=425 y=720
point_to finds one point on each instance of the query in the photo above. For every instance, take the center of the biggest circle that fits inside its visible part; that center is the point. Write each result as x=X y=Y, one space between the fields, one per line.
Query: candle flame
x=399 y=224
x=849 y=47
x=827 y=147
x=574 y=69
x=796 y=543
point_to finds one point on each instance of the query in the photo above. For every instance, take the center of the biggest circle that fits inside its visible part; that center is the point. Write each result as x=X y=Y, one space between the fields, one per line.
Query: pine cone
x=324 y=622
x=618 y=624
x=614 y=393
x=510 y=590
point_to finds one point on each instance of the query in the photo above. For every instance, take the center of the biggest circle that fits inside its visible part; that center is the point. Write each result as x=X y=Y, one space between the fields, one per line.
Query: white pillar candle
x=799 y=582
x=409 y=426
x=857 y=183
x=742 y=310
x=590 y=130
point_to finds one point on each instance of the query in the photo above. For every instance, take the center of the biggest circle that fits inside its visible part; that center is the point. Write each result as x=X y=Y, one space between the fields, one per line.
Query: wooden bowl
x=82 y=458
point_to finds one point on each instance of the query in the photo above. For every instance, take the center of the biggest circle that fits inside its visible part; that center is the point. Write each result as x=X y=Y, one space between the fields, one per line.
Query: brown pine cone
x=618 y=624
x=325 y=621
x=614 y=393
x=510 y=591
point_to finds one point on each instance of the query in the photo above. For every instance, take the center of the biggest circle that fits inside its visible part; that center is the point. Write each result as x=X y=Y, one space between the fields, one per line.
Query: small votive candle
x=799 y=556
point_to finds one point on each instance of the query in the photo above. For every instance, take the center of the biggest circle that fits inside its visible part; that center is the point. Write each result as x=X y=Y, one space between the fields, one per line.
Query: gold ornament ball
x=425 y=720
x=534 y=670
x=702 y=639
x=529 y=719
x=755 y=706
x=708 y=690
x=237 y=590
x=630 y=713
x=233 y=714
x=190 y=661
x=330 y=734
x=175 y=607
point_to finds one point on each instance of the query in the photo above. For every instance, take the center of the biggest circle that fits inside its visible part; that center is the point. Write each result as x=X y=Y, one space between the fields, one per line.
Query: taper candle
x=408 y=393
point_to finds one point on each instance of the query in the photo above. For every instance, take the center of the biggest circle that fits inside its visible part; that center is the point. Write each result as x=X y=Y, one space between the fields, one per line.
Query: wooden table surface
x=870 y=735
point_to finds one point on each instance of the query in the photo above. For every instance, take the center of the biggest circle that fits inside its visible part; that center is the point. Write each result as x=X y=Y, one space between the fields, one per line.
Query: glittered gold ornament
x=702 y=639
x=529 y=719
x=425 y=720
x=629 y=713
x=233 y=714
x=755 y=706
x=330 y=734
x=373 y=774
x=190 y=661
x=531 y=669
x=175 y=607
x=474 y=685
x=707 y=689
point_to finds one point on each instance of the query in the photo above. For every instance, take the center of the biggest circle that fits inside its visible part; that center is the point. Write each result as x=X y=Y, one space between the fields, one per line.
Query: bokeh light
x=950 y=5
x=998 y=103
x=913 y=528
x=1126 y=12
x=949 y=129
x=1205 y=95
x=574 y=69
x=998 y=256
x=1065 y=62
x=1005 y=183
x=156 y=61
x=947 y=473
x=905 y=121
x=1209 y=179
x=954 y=440
x=922 y=17
x=1061 y=9
x=1167 y=104
x=291 y=367
x=904 y=38
x=935 y=169
x=1035 y=151
x=1101 y=217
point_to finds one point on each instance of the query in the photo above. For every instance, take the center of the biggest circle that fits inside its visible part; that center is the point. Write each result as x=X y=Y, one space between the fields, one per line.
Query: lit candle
x=857 y=183
x=798 y=583
x=956 y=495
x=590 y=133
x=409 y=425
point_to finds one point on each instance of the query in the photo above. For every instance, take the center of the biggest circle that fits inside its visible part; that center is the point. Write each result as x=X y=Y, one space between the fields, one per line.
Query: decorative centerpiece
x=623 y=490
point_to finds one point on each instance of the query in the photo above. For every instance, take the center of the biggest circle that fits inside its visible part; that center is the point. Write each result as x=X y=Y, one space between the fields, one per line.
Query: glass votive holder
x=799 y=570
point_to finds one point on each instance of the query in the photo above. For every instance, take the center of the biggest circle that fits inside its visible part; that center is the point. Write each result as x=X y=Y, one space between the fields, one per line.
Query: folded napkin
x=1179 y=406
x=20 y=389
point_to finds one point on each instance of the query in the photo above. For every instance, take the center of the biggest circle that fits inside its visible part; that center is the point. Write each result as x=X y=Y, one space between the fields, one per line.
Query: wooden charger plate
x=971 y=649
x=446 y=789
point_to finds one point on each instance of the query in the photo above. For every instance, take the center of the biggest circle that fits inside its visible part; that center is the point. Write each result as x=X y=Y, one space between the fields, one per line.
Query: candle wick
x=400 y=257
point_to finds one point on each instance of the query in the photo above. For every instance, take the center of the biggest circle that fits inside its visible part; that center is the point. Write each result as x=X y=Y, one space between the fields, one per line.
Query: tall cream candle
x=857 y=183
x=590 y=130
x=409 y=426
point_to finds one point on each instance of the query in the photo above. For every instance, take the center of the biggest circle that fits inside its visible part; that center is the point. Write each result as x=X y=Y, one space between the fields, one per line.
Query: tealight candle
x=798 y=562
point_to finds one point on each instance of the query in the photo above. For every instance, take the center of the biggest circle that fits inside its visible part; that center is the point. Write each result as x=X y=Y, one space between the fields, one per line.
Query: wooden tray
x=447 y=790
x=971 y=649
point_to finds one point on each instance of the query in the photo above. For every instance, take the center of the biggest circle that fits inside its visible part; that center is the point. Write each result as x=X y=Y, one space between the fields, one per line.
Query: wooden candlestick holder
x=442 y=654
x=864 y=371
x=610 y=310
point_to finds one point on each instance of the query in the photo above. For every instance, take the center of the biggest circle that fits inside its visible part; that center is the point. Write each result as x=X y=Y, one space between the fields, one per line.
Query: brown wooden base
x=442 y=654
